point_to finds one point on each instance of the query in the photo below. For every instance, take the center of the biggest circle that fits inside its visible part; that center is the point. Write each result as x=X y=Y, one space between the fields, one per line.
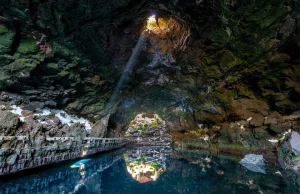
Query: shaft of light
x=134 y=55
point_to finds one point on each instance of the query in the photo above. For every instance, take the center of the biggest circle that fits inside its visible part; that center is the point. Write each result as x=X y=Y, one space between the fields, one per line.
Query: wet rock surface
x=295 y=143
x=289 y=157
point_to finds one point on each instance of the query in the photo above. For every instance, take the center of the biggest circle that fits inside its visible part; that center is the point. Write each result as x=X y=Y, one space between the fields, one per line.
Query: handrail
x=64 y=151
x=13 y=137
x=56 y=138
x=61 y=147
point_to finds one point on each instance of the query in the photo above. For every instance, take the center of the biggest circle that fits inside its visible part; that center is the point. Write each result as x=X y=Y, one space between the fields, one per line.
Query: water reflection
x=160 y=169
x=146 y=164
x=83 y=176
x=82 y=171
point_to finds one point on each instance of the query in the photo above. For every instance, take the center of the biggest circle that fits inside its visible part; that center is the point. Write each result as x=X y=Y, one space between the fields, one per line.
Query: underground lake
x=149 y=170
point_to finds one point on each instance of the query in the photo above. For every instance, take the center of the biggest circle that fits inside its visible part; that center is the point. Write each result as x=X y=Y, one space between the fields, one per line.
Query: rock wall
x=29 y=140
x=289 y=157
x=240 y=61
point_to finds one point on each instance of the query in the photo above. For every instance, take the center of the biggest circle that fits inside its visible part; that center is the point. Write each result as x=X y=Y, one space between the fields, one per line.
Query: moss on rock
x=63 y=73
x=280 y=58
x=3 y=79
x=213 y=71
x=6 y=39
x=23 y=65
x=27 y=46
x=228 y=60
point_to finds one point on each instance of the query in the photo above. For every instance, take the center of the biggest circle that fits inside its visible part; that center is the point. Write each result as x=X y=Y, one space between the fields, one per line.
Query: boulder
x=246 y=108
x=77 y=130
x=8 y=123
x=100 y=127
x=254 y=163
x=261 y=133
x=287 y=28
x=272 y=119
x=281 y=127
x=257 y=120
x=295 y=143
x=33 y=106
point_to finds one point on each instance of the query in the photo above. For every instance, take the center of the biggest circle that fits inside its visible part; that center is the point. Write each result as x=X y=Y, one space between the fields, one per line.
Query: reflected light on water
x=172 y=171
x=144 y=172
x=146 y=164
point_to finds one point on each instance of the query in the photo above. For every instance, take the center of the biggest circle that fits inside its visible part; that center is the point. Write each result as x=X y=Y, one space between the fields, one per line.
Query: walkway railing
x=23 y=156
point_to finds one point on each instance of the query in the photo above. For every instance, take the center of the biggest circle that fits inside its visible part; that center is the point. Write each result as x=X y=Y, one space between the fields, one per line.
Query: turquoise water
x=149 y=170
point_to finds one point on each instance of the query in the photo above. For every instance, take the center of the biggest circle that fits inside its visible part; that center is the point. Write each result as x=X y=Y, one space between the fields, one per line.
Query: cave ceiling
x=199 y=60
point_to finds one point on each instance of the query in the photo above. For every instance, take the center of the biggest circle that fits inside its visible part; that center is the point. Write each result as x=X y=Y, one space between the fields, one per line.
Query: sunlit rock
x=167 y=37
x=148 y=129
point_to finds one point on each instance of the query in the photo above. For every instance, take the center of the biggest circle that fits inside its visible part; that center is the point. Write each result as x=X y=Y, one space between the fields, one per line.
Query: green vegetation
x=27 y=45
x=63 y=73
x=154 y=124
x=6 y=39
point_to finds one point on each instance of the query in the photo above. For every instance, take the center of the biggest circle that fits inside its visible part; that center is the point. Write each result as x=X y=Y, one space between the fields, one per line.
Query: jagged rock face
x=100 y=127
x=239 y=60
x=8 y=123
